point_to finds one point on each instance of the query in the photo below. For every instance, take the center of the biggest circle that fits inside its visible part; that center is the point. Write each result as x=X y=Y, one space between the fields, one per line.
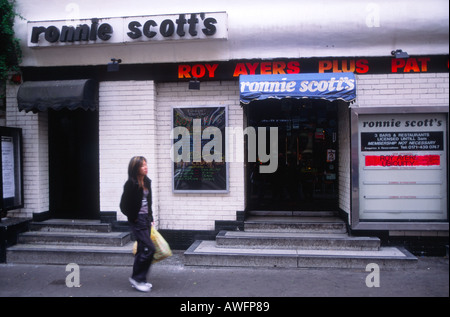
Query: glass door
x=307 y=173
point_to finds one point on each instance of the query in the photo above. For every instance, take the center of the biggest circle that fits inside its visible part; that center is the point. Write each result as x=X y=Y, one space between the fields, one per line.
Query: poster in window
x=8 y=179
x=198 y=151
x=11 y=169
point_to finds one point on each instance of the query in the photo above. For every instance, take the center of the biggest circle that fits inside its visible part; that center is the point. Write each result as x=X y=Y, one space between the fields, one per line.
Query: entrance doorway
x=74 y=164
x=307 y=174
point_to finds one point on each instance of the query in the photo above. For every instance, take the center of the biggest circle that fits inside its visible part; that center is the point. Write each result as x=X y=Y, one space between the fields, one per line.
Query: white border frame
x=356 y=224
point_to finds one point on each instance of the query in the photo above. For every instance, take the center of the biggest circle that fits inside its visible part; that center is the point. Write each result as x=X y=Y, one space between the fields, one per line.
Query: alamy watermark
x=73 y=278
x=205 y=144
x=373 y=15
x=373 y=279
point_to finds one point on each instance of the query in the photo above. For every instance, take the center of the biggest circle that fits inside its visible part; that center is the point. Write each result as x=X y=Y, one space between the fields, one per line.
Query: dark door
x=306 y=178
x=74 y=164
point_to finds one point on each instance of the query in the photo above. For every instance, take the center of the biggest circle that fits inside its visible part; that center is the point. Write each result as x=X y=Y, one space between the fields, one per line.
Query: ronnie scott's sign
x=316 y=86
x=192 y=26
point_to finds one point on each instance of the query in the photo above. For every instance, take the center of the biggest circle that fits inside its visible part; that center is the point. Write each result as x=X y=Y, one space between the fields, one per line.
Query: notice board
x=403 y=167
x=11 y=188
x=198 y=151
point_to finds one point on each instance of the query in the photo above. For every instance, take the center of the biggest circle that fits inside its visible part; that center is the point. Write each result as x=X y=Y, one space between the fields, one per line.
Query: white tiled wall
x=196 y=211
x=136 y=119
x=127 y=125
x=405 y=90
x=35 y=155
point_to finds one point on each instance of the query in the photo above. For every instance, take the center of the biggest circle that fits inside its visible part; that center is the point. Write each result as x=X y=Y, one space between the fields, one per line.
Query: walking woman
x=136 y=204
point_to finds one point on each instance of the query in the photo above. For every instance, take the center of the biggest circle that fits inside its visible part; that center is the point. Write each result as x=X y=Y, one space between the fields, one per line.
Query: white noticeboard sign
x=402 y=167
x=11 y=186
x=8 y=178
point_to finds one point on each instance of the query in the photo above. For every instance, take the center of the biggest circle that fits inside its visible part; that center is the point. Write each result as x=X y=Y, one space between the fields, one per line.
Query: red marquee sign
x=364 y=65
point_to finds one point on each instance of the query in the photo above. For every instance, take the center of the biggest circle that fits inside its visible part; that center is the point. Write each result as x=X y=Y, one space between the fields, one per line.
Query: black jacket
x=131 y=201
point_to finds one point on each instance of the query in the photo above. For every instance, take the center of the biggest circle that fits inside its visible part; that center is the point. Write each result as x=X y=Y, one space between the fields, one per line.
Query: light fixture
x=399 y=54
x=194 y=84
x=114 y=65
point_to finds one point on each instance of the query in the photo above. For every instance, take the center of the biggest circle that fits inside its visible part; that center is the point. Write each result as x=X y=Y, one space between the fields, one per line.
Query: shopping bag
x=162 y=248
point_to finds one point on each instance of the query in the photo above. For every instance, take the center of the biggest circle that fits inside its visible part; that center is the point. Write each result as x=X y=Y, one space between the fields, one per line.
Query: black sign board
x=402 y=141
x=231 y=70
x=199 y=163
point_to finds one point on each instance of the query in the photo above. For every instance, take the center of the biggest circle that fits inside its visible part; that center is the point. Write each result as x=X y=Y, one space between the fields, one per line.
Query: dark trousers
x=145 y=248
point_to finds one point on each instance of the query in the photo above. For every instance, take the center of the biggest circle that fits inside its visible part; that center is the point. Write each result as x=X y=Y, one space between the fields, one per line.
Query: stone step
x=63 y=241
x=206 y=253
x=75 y=238
x=288 y=240
x=63 y=255
x=295 y=224
x=61 y=225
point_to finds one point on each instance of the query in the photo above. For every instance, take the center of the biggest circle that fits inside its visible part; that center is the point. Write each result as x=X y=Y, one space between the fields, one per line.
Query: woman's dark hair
x=134 y=166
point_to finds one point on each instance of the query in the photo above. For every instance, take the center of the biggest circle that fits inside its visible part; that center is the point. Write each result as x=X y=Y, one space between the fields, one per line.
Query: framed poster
x=198 y=151
x=11 y=188
x=401 y=159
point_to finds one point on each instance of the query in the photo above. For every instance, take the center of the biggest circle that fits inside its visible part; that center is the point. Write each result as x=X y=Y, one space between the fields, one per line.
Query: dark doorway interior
x=307 y=174
x=74 y=164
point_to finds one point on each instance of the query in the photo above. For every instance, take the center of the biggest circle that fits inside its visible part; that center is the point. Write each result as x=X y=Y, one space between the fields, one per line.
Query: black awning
x=38 y=96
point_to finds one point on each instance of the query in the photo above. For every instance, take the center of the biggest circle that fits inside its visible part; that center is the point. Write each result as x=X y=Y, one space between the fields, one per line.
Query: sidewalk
x=171 y=278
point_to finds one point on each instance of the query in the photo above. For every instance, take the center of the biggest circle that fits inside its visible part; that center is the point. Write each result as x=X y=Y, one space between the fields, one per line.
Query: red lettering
x=346 y=68
x=198 y=71
x=336 y=66
x=266 y=68
x=325 y=65
x=279 y=68
x=211 y=70
x=240 y=70
x=252 y=68
x=411 y=64
x=293 y=68
x=402 y=160
x=397 y=63
x=362 y=66
x=183 y=71
x=424 y=63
